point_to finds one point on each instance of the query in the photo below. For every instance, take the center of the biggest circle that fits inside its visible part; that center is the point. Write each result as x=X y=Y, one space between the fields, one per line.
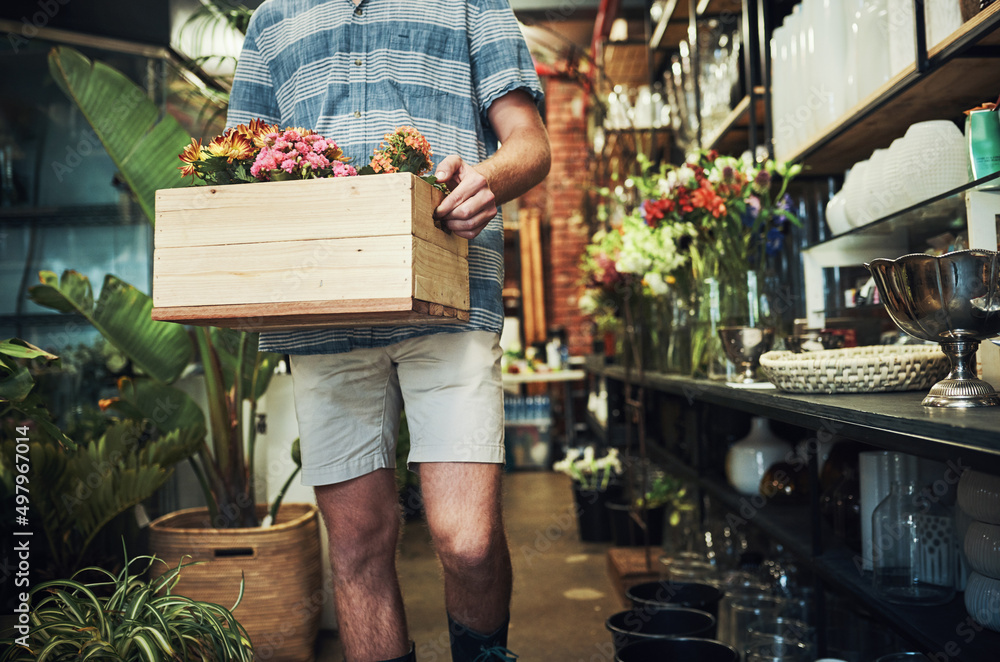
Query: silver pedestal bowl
x=952 y=299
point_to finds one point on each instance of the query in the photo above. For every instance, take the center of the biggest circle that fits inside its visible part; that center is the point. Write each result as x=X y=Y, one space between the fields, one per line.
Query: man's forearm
x=522 y=161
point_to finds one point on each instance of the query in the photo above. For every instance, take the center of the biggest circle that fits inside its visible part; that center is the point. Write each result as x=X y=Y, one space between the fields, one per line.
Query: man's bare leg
x=362 y=517
x=463 y=506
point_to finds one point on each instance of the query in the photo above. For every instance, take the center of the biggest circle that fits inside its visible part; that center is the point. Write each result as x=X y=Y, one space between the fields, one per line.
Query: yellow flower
x=190 y=156
x=232 y=145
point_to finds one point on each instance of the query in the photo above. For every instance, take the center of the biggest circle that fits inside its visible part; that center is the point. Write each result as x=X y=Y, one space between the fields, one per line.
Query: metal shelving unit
x=891 y=421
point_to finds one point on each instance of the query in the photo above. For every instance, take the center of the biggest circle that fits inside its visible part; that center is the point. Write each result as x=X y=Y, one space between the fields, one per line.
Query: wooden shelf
x=964 y=72
x=672 y=27
x=731 y=136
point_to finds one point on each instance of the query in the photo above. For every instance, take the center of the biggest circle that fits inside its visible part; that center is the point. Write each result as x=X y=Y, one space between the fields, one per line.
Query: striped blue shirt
x=355 y=73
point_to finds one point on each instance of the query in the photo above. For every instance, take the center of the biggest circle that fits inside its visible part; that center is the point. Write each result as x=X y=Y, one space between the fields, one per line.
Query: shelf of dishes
x=892 y=421
x=856 y=85
x=814 y=537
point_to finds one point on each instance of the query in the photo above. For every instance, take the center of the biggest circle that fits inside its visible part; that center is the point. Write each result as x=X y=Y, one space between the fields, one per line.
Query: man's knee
x=470 y=548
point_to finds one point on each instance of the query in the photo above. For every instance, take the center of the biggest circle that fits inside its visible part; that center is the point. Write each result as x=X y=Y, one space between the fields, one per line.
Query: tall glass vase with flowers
x=739 y=212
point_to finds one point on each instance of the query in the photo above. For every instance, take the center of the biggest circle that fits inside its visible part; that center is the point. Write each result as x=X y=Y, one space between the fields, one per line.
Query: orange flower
x=190 y=156
x=256 y=131
x=232 y=145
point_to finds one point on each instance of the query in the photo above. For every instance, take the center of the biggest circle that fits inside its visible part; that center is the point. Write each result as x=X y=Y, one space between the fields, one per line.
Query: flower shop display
x=362 y=250
x=700 y=237
x=594 y=485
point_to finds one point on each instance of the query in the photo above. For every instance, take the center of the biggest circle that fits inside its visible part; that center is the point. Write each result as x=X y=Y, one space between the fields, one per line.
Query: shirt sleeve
x=499 y=56
x=253 y=94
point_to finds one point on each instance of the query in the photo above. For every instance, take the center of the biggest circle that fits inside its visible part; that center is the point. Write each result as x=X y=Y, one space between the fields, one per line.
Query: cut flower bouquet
x=261 y=152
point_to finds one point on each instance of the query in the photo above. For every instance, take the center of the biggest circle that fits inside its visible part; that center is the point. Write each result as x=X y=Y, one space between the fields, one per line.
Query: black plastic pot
x=627 y=533
x=666 y=594
x=634 y=625
x=682 y=649
x=593 y=519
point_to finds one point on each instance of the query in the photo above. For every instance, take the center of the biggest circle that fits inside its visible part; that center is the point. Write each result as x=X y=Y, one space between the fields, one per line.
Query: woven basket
x=872 y=369
x=283 y=595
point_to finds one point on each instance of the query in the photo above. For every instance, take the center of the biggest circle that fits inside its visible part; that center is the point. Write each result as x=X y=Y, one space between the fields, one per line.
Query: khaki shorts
x=348 y=405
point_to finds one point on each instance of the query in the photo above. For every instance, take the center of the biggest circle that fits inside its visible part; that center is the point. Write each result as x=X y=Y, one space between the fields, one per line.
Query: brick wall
x=564 y=188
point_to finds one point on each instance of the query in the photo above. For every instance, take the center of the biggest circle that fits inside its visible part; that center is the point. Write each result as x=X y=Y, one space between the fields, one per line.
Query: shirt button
x=357 y=62
x=357 y=113
x=358 y=12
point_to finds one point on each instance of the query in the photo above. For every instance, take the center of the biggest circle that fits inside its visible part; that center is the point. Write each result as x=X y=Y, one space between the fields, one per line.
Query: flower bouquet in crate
x=312 y=244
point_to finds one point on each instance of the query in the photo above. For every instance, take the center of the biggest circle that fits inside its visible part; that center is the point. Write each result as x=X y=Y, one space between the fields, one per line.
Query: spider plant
x=124 y=618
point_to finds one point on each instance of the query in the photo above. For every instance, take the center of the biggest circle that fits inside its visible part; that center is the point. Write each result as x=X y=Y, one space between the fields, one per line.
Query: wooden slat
x=313 y=314
x=342 y=269
x=300 y=210
x=440 y=276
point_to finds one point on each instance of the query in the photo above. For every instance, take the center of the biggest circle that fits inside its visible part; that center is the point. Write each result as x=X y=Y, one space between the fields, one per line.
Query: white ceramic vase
x=749 y=458
x=933 y=159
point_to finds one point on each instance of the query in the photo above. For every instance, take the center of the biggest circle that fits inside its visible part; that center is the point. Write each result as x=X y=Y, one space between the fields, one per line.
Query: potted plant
x=594 y=478
x=650 y=506
x=124 y=617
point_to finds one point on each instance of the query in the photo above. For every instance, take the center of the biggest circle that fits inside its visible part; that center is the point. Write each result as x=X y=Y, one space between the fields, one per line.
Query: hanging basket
x=281 y=566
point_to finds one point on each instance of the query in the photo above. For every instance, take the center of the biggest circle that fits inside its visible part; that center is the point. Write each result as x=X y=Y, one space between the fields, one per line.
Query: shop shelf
x=963 y=68
x=730 y=136
x=893 y=421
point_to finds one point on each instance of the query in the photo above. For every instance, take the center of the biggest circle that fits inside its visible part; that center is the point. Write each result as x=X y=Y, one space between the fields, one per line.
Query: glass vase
x=707 y=359
x=914 y=551
x=677 y=359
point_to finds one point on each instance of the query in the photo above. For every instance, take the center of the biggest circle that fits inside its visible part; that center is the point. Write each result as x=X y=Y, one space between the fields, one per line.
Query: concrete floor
x=562 y=594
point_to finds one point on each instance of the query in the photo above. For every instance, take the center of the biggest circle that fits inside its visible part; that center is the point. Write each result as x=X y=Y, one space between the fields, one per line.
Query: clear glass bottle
x=914 y=549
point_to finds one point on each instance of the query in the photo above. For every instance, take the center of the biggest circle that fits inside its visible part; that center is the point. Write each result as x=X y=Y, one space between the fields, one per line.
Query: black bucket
x=666 y=594
x=634 y=625
x=682 y=649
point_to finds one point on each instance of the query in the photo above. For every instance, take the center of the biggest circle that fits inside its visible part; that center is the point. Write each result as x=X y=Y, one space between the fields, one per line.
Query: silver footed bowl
x=952 y=299
x=744 y=345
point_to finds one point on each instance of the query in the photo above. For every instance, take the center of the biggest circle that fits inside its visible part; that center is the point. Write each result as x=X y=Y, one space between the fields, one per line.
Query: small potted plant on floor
x=595 y=481
x=123 y=617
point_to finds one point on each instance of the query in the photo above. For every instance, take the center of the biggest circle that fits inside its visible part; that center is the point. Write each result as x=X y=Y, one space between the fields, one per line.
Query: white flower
x=656 y=284
x=588 y=303
x=685 y=174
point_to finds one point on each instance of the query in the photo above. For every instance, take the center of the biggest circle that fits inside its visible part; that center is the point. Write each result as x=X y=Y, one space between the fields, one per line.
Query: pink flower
x=320 y=145
x=288 y=165
x=343 y=170
x=317 y=161
x=302 y=148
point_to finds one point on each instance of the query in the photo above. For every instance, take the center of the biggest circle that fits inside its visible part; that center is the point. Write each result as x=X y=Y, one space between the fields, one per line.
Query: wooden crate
x=352 y=251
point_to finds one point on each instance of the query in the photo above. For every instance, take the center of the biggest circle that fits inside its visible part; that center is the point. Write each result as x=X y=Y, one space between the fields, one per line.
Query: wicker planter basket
x=872 y=369
x=283 y=596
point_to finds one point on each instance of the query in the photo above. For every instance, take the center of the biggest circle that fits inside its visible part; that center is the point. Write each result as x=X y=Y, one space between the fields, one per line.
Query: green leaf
x=122 y=315
x=24 y=350
x=143 y=141
x=366 y=170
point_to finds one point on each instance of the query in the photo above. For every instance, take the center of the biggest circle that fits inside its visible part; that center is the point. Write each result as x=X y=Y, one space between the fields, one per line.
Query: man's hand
x=521 y=162
x=471 y=203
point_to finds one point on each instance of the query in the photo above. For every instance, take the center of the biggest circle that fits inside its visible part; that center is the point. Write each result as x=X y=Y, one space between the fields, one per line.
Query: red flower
x=707 y=199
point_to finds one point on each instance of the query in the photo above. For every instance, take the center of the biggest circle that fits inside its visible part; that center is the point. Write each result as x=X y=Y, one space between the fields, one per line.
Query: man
x=461 y=74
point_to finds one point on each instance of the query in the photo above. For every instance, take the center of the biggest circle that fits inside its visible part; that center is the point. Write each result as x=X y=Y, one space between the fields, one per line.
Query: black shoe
x=471 y=646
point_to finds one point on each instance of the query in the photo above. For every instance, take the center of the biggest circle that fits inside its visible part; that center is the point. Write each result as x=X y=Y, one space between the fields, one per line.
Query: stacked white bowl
x=979 y=499
x=929 y=160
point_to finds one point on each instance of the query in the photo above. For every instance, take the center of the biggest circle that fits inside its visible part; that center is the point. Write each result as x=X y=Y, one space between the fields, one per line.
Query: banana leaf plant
x=144 y=143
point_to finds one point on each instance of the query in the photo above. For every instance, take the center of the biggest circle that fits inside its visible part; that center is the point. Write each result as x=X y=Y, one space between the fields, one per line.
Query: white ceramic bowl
x=982 y=600
x=933 y=159
x=854 y=192
x=979 y=496
x=836 y=213
x=982 y=549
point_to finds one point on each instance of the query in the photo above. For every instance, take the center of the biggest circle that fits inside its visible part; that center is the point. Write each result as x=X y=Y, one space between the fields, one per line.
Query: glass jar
x=914 y=551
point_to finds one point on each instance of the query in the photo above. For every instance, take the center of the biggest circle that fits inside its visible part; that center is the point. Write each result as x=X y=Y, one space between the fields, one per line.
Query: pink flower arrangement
x=299 y=154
